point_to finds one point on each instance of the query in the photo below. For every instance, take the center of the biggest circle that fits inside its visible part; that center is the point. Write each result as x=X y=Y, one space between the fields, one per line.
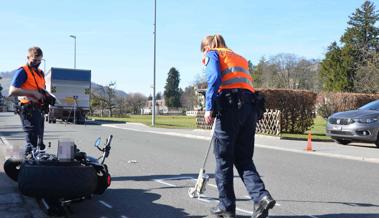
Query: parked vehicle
x=361 y=125
x=58 y=180
x=72 y=88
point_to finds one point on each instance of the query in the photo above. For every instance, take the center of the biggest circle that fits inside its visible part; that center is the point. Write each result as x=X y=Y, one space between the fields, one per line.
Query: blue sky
x=115 y=38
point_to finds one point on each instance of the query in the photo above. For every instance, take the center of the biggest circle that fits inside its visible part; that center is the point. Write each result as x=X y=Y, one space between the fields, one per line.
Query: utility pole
x=74 y=37
x=155 y=54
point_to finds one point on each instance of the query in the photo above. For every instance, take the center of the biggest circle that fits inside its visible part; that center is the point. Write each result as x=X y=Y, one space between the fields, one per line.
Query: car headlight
x=366 y=120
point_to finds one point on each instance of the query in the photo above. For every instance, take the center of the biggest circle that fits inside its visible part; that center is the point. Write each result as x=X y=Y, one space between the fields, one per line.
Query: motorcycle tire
x=56 y=180
x=12 y=168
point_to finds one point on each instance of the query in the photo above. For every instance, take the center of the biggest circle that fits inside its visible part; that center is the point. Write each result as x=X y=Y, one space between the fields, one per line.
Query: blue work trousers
x=234 y=145
x=32 y=121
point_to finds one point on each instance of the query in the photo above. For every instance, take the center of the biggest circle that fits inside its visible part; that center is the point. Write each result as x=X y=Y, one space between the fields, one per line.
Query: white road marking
x=203 y=197
x=164 y=183
x=244 y=211
x=204 y=200
x=105 y=204
x=318 y=153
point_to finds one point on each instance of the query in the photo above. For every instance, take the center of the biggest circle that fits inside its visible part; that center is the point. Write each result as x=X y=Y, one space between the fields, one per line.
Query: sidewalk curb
x=28 y=204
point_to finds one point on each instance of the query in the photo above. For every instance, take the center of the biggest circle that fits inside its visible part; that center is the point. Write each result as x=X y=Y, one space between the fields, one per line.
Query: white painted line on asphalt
x=244 y=211
x=105 y=204
x=318 y=153
x=164 y=183
x=203 y=197
x=204 y=200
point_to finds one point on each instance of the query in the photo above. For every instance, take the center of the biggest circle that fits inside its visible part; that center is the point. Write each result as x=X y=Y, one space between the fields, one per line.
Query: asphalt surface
x=152 y=170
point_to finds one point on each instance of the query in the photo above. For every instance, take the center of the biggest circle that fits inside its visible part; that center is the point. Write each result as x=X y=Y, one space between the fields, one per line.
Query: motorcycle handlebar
x=109 y=140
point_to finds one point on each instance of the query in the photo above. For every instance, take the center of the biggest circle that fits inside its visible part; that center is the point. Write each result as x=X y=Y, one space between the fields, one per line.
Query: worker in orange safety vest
x=27 y=83
x=232 y=101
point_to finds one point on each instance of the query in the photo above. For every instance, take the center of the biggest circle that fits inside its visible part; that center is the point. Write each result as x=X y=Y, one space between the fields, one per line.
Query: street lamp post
x=74 y=37
x=155 y=46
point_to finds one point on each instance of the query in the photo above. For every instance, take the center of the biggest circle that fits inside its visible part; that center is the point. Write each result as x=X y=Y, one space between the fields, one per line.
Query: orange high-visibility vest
x=34 y=81
x=234 y=71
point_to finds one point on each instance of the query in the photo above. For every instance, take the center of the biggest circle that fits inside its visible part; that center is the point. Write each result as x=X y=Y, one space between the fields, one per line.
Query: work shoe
x=262 y=207
x=221 y=213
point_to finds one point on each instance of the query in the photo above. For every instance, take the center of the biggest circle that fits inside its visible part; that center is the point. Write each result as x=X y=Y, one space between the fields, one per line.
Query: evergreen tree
x=158 y=96
x=333 y=70
x=360 y=45
x=172 y=92
x=256 y=74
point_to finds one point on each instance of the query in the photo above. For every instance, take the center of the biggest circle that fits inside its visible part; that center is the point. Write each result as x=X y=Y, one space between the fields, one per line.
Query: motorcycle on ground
x=56 y=181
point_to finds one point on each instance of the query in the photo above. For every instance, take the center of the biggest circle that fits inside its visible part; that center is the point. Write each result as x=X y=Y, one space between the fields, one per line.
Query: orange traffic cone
x=309 y=145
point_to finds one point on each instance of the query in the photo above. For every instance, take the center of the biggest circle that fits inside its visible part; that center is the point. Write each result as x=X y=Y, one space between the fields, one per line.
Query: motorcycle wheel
x=12 y=168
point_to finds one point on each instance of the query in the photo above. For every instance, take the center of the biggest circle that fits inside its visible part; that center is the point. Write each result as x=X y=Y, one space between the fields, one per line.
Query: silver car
x=361 y=125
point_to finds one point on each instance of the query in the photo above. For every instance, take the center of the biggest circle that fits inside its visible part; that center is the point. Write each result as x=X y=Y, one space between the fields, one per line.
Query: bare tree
x=135 y=102
x=121 y=105
x=367 y=76
x=188 y=98
x=110 y=95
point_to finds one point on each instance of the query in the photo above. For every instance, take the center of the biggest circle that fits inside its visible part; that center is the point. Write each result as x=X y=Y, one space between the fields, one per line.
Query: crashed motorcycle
x=58 y=180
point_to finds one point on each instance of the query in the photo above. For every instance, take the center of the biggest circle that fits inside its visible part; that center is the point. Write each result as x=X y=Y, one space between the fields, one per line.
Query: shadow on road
x=336 y=215
x=100 y=122
x=128 y=203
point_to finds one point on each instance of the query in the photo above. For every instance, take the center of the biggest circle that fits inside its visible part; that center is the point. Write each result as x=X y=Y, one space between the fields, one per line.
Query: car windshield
x=371 y=106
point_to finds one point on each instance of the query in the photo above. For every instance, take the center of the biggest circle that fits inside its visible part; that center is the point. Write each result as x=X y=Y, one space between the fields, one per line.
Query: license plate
x=337 y=127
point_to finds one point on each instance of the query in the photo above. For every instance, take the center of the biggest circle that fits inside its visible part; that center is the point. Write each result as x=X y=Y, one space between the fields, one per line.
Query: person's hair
x=213 y=41
x=36 y=51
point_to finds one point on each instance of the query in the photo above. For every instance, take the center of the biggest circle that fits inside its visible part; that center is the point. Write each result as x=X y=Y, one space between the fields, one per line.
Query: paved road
x=305 y=185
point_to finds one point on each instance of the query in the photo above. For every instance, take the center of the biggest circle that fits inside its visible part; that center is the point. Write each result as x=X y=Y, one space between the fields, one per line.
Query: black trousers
x=234 y=146
x=33 y=124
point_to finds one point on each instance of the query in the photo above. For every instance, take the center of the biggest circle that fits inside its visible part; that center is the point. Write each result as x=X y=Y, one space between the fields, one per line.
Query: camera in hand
x=48 y=99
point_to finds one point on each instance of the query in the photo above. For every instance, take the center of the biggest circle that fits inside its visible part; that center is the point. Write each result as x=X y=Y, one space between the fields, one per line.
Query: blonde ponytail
x=213 y=41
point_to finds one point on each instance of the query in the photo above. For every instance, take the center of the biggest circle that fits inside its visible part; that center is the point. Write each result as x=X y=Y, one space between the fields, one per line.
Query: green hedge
x=329 y=102
x=297 y=108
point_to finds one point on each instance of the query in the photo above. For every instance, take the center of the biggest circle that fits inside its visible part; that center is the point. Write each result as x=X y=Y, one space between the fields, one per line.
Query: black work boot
x=218 y=212
x=262 y=207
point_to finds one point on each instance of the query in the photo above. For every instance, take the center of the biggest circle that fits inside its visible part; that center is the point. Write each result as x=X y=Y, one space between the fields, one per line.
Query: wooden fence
x=269 y=124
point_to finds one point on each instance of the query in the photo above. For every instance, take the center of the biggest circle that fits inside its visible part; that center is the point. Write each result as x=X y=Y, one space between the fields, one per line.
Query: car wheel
x=377 y=141
x=342 y=141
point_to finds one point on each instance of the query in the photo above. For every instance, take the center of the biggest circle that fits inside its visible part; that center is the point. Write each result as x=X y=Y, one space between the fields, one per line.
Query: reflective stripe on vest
x=234 y=71
x=31 y=82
